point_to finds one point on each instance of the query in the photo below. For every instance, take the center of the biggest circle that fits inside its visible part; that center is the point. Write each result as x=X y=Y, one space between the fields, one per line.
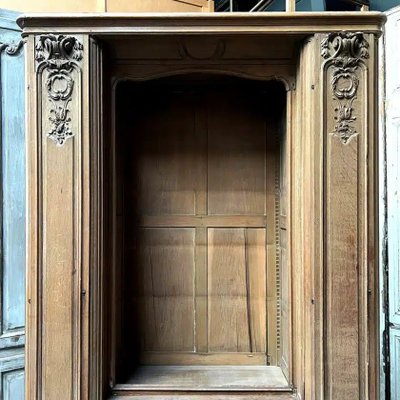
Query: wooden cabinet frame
x=328 y=64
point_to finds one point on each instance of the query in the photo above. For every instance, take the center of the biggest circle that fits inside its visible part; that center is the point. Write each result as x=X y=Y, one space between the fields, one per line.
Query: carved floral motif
x=59 y=54
x=345 y=51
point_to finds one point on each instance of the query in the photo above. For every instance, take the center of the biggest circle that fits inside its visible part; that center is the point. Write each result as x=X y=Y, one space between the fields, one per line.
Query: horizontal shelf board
x=206 y=378
x=206 y=221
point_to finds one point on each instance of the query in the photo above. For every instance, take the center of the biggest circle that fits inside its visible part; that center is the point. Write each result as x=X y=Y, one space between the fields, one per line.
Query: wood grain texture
x=165 y=287
x=203 y=358
x=210 y=378
x=306 y=230
x=168 y=166
x=237 y=285
x=236 y=160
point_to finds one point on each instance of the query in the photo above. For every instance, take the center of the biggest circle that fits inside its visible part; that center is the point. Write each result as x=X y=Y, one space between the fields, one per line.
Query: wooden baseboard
x=290 y=395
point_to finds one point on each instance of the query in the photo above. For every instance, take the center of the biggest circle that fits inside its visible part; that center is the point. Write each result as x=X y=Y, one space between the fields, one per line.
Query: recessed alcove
x=198 y=191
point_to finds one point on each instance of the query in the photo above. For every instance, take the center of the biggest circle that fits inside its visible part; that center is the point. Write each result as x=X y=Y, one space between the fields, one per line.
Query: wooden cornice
x=203 y=23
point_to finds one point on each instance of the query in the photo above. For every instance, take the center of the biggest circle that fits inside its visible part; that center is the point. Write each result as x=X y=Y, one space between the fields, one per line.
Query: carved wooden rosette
x=345 y=53
x=58 y=66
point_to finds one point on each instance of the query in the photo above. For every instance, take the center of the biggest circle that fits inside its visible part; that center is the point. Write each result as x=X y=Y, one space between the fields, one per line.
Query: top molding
x=203 y=23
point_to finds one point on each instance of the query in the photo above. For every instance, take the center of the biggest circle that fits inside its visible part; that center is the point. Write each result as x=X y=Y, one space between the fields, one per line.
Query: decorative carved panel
x=345 y=52
x=58 y=56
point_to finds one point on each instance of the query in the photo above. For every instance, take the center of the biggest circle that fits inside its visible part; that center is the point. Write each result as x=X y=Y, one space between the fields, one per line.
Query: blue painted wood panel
x=12 y=374
x=395 y=369
x=12 y=211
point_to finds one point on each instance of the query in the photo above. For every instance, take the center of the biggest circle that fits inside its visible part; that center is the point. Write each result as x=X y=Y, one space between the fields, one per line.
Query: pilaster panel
x=349 y=176
x=58 y=252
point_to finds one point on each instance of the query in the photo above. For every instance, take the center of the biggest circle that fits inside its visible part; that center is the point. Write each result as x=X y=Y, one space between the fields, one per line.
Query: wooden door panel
x=168 y=172
x=236 y=290
x=165 y=285
x=236 y=153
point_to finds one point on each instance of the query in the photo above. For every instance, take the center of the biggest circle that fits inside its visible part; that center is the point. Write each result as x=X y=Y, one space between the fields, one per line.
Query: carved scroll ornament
x=345 y=51
x=59 y=54
x=11 y=49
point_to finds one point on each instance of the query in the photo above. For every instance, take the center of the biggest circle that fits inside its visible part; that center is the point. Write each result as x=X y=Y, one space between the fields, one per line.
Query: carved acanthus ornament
x=345 y=51
x=11 y=49
x=59 y=54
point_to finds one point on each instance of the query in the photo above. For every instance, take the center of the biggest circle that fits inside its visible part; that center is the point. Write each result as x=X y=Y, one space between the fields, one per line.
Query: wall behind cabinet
x=12 y=262
x=108 y=5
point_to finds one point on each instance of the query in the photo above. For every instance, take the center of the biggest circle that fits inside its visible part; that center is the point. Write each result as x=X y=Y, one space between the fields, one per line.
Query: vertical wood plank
x=236 y=168
x=175 y=174
x=201 y=202
x=297 y=242
x=236 y=304
x=201 y=297
x=93 y=310
x=273 y=137
x=342 y=242
x=255 y=240
x=312 y=195
x=165 y=284
x=33 y=378
x=57 y=291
